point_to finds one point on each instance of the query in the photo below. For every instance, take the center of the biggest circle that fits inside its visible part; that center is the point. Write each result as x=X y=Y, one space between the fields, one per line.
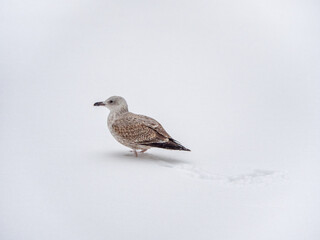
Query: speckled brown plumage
x=137 y=129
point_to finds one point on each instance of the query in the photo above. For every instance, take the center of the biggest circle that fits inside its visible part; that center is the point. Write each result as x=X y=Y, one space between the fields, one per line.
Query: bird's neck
x=115 y=113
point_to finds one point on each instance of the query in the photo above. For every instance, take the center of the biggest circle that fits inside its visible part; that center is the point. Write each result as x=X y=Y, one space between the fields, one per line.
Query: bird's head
x=114 y=103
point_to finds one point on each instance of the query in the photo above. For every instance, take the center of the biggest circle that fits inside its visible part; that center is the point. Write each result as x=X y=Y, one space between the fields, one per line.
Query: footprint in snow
x=255 y=177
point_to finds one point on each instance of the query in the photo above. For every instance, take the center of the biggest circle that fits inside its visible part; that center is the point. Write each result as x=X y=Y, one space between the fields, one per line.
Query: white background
x=237 y=82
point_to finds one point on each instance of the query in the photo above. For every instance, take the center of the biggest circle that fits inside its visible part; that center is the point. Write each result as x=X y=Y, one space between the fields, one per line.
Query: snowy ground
x=237 y=82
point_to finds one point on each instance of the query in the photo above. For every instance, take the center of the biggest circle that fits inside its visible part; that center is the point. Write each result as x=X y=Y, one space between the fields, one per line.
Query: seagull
x=135 y=131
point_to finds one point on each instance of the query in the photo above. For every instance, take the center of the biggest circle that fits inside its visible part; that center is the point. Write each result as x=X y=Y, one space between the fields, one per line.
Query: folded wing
x=143 y=130
x=138 y=129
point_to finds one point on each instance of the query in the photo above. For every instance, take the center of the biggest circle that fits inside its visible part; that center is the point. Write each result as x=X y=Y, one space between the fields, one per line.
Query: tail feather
x=171 y=144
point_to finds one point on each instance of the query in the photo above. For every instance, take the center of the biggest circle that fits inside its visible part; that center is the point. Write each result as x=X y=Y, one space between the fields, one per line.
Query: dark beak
x=99 y=104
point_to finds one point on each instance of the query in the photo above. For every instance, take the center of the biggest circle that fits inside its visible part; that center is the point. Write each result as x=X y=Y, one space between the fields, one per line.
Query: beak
x=99 y=104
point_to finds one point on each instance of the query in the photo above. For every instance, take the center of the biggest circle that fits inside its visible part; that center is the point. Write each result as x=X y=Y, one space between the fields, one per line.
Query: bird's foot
x=135 y=153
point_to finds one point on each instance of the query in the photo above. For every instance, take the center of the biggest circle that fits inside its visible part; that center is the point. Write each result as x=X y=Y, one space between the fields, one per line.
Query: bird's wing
x=140 y=129
x=150 y=122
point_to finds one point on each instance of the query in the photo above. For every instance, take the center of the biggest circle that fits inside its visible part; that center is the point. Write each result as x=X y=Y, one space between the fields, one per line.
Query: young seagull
x=135 y=131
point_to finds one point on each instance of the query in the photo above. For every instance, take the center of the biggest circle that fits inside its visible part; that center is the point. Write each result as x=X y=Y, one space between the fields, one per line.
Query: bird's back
x=138 y=130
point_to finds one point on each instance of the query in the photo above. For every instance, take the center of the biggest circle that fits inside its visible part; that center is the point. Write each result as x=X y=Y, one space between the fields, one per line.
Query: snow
x=236 y=82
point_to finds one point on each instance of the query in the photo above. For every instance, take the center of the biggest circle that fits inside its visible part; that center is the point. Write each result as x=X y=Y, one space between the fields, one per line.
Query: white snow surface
x=237 y=82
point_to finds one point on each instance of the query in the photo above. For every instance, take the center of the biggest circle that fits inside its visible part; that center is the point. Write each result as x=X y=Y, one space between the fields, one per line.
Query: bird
x=135 y=131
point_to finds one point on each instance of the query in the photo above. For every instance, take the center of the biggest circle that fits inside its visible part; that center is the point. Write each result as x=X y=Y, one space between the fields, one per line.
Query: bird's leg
x=135 y=153
x=142 y=151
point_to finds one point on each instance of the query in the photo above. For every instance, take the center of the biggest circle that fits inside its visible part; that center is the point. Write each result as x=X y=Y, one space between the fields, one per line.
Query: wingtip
x=182 y=148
